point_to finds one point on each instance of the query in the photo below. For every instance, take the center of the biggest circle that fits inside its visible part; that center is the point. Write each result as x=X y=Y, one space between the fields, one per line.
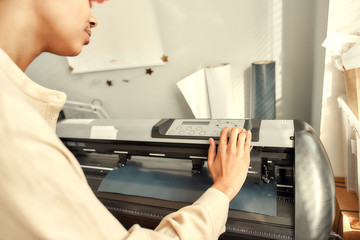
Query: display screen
x=195 y=123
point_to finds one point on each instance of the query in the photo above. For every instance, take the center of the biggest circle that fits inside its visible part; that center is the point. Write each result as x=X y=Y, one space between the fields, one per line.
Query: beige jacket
x=44 y=194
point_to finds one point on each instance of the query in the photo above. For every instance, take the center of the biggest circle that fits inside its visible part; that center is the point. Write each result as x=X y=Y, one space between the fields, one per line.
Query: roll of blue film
x=263 y=90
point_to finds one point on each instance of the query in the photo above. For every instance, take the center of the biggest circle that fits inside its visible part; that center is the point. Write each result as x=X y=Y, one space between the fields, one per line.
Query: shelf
x=351 y=147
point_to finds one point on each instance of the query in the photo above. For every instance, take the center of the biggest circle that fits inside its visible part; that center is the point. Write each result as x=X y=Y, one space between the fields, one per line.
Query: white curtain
x=343 y=18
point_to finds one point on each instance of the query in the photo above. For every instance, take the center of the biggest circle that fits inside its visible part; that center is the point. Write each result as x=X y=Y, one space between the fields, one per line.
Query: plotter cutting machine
x=285 y=152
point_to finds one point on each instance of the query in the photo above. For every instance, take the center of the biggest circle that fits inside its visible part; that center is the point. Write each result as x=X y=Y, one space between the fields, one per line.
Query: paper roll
x=263 y=90
x=219 y=85
x=209 y=92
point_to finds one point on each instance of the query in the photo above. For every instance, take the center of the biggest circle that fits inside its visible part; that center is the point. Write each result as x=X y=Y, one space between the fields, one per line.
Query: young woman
x=44 y=193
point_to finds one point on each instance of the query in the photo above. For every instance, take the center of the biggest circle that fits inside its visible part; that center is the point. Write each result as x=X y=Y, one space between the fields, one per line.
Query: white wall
x=197 y=33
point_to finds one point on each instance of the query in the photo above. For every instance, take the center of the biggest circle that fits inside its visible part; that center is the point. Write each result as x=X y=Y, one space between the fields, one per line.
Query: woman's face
x=66 y=25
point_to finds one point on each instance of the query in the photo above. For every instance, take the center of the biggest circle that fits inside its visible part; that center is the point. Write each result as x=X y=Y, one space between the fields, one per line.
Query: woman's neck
x=18 y=35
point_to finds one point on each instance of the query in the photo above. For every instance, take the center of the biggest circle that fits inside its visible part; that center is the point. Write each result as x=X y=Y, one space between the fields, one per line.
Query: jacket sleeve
x=205 y=219
x=44 y=194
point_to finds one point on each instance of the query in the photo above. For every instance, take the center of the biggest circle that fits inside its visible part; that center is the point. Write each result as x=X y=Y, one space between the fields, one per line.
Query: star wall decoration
x=164 y=58
x=149 y=71
x=109 y=83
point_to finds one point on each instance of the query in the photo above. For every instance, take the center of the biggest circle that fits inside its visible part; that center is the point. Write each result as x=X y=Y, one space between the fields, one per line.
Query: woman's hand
x=229 y=166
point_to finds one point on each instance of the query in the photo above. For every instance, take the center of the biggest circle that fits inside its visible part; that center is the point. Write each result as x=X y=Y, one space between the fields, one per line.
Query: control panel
x=202 y=128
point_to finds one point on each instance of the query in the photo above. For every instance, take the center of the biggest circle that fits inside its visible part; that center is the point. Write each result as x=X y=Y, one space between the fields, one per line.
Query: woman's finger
x=248 y=140
x=234 y=135
x=211 y=153
x=224 y=136
x=241 y=139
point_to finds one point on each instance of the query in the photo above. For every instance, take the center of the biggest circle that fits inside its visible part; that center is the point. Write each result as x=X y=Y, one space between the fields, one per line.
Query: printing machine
x=285 y=151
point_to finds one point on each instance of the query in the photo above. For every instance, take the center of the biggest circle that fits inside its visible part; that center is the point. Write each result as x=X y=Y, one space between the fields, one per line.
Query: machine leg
x=197 y=165
x=123 y=159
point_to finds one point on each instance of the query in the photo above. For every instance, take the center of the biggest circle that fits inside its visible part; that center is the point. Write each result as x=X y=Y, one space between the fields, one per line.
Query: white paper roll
x=219 y=85
x=209 y=92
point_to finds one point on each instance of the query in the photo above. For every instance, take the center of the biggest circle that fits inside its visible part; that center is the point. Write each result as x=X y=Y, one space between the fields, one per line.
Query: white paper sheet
x=77 y=121
x=351 y=59
x=209 y=92
x=127 y=36
x=103 y=132
x=194 y=90
x=338 y=45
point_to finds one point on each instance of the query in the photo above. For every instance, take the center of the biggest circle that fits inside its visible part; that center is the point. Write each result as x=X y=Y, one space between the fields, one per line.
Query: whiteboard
x=127 y=36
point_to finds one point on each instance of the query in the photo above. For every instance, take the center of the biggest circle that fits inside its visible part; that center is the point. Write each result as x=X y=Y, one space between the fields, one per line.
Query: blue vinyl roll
x=172 y=180
x=263 y=90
